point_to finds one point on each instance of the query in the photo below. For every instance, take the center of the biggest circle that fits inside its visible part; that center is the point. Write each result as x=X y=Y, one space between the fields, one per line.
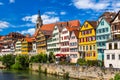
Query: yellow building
x=87 y=40
x=41 y=39
x=26 y=45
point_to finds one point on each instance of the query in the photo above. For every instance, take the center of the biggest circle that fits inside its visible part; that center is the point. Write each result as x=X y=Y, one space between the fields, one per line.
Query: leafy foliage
x=21 y=62
x=117 y=77
x=40 y=58
x=8 y=60
x=51 y=57
x=81 y=62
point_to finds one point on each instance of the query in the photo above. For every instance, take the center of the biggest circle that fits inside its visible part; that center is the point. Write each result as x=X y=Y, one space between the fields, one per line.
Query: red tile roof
x=28 y=39
x=48 y=28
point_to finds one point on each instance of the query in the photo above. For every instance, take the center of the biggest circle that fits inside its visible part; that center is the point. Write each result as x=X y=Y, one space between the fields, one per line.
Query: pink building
x=65 y=40
x=74 y=46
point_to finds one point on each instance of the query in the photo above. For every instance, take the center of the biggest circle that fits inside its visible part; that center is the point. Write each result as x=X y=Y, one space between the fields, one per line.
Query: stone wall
x=89 y=73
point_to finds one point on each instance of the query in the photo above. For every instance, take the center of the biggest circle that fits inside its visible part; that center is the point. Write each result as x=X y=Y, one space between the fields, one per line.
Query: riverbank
x=78 y=72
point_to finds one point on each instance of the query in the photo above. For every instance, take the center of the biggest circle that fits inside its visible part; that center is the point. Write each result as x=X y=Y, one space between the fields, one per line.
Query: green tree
x=117 y=77
x=40 y=58
x=8 y=60
x=51 y=57
x=21 y=62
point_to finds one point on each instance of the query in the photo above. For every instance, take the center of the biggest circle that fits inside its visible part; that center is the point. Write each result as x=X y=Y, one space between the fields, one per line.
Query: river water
x=27 y=75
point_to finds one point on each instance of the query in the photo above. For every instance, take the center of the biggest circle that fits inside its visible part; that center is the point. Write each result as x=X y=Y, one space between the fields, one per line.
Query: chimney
x=27 y=35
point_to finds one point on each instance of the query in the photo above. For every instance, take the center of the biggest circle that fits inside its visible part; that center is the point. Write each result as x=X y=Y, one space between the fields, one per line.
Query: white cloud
x=1 y=3
x=62 y=13
x=90 y=4
x=29 y=31
x=4 y=24
x=47 y=18
x=12 y=1
x=51 y=13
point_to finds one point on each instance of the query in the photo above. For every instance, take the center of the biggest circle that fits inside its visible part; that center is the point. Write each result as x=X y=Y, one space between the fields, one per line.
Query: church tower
x=39 y=21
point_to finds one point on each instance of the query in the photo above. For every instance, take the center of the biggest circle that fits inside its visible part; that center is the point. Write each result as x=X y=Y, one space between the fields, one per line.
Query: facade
x=18 y=47
x=41 y=40
x=87 y=41
x=53 y=43
x=112 y=54
x=74 y=46
x=26 y=45
x=103 y=34
x=115 y=27
x=7 y=42
x=65 y=37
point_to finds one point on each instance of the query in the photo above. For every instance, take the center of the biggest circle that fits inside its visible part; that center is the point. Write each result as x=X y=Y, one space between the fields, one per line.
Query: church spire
x=39 y=22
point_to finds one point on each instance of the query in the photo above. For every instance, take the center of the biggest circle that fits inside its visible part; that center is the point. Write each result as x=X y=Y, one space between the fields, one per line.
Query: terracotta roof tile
x=93 y=23
x=28 y=39
x=48 y=28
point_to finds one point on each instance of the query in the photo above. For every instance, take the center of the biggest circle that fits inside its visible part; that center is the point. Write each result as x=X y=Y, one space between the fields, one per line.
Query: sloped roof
x=93 y=23
x=48 y=28
x=28 y=39
x=76 y=33
x=118 y=14
x=108 y=14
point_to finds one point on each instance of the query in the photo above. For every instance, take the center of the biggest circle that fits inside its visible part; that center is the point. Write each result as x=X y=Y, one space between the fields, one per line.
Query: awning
x=60 y=55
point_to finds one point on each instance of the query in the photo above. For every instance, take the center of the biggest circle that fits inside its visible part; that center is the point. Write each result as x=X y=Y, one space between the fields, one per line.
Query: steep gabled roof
x=48 y=28
x=28 y=39
x=118 y=14
x=93 y=23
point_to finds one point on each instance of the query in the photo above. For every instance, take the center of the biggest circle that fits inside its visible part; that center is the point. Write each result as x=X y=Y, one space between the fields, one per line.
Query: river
x=27 y=75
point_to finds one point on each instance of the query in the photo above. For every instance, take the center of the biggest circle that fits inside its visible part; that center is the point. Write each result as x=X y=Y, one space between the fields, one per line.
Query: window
x=83 y=47
x=99 y=30
x=102 y=23
x=94 y=47
x=119 y=56
x=90 y=47
x=110 y=45
x=115 y=46
x=108 y=57
x=103 y=29
x=113 y=56
x=86 y=25
x=115 y=27
x=106 y=29
x=86 y=47
x=93 y=54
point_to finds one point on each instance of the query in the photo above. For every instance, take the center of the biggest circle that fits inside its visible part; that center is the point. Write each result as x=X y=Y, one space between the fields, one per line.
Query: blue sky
x=20 y=15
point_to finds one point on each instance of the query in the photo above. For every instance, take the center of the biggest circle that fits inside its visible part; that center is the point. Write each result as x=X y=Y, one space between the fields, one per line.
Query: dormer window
x=86 y=25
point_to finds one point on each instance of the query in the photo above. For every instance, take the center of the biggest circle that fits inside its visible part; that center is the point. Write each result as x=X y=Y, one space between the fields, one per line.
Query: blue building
x=103 y=33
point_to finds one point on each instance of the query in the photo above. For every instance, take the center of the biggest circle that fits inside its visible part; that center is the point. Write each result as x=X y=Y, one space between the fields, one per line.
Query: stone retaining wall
x=89 y=73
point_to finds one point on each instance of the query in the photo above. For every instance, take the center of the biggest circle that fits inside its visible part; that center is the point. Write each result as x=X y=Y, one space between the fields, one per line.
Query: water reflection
x=27 y=75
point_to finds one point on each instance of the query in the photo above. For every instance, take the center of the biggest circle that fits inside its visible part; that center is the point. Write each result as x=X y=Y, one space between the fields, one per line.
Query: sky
x=20 y=15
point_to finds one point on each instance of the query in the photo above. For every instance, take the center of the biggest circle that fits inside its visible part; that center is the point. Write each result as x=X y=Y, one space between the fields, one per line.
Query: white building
x=34 y=47
x=112 y=54
x=18 y=47
x=53 y=43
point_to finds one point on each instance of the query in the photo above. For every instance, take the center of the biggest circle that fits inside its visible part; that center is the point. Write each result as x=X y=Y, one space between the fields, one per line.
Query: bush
x=21 y=63
x=51 y=57
x=8 y=60
x=117 y=77
x=81 y=61
x=92 y=63
x=40 y=58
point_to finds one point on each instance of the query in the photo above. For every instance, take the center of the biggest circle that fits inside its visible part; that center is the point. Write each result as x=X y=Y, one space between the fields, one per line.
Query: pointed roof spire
x=39 y=13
